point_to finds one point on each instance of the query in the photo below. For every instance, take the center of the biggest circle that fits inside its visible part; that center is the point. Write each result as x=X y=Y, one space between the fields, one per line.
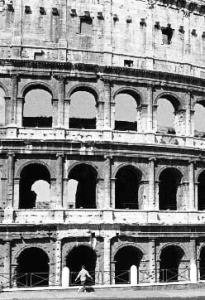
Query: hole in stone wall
x=170 y=259
x=201 y=191
x=169 y=182
x=167 y=33
x=32 y=268
x=83 y=110
x=199 y=120
x=38 y=109
x=126 y=188
x=32 y=193
x=165 y=117
x=122 y=266
x=125 y=112
x=85 y=178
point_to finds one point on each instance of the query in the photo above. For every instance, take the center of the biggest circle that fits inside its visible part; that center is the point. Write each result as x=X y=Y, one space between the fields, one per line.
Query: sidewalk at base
x=104 y=294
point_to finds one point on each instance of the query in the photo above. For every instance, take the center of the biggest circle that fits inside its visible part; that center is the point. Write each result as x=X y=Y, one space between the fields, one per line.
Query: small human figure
x=83 y=274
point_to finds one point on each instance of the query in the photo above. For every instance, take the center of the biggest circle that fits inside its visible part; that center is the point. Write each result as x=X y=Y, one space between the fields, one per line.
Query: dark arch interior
x=170 y=259
x=202 y=264
x=126 y=188
x=201 y=191
x=33 y=268
x=168 y=185
x=124 y=259
x=29 y=175
x=78 y=256
x=85 y=175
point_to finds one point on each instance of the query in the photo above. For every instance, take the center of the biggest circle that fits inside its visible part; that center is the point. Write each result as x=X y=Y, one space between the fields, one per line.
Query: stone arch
x=125 y=257
x=85 y=186
x=86 y=88
x=34 y=186
x=135 y=93
x=19 y=170
x=198 y=117
x=24 y=247
x=80 y=255
x=133 y=244
x=169 y=189
x=200 y=176
x=73 y=165
x=178 y=169
x=175 y=244
x=173 y=98
x=171 y=260
x=32 y=267
x=128 y=115
x=4 y=88
x=37 y=85
x=137 y=167
x=128 y=188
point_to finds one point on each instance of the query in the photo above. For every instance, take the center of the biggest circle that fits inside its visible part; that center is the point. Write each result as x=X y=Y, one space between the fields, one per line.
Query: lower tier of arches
x=49 y=258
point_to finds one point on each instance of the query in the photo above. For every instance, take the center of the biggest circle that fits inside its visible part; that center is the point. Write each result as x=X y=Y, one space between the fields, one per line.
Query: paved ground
x=106 y=293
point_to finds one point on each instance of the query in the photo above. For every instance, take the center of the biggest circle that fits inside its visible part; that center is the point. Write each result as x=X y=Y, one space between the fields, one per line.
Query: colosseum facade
x=122 y=192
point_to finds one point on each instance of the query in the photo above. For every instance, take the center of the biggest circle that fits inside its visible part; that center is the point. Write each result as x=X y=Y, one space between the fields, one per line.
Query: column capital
x=10 y=154
x=60 y=154
x=152 y=158
x=192 y=161
x=108 y=157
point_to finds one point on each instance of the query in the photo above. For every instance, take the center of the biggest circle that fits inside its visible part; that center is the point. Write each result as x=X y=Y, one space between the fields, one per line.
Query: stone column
x=58 y=259
x=107 y=105
x=157 y=195
x=14 y=98
x=10 y=179
x=100 y=193
x=19 y=117
x=152 y=260
x=55 y=112
x=107 y=182
x=16 y=193
x=152 y=183
x=100 y=115
x=154 y=117
x=59 y=181
x=66 y=112
x=149 y=108
x=61 y=97
x=188 y=113
x=7 y=110
x=7 y=264
x=196 y=186
x=192 y=205
x=112 y=203
x=106 y=261
x=193 y=261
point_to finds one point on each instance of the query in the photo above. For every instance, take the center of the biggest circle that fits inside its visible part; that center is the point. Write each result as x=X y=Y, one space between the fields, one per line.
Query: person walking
x=83 y=274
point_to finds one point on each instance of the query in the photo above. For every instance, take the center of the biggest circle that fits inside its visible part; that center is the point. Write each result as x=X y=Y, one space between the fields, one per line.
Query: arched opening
x=38 y=110
x=169 y=181
x=125 y=112
x=78 y=256
x=124 y=259
x=32 y=268
x=82 y=110
x=167 y=115
x=2 y=108
x=85 y=193
x=127 y=188
x=34 y=189
x=199 y=119
x=202 y=264
x=170 y=260
x=201 y=191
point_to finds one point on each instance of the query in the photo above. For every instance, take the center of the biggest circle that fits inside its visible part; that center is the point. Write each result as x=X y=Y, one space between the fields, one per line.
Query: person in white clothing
x=83 y=274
